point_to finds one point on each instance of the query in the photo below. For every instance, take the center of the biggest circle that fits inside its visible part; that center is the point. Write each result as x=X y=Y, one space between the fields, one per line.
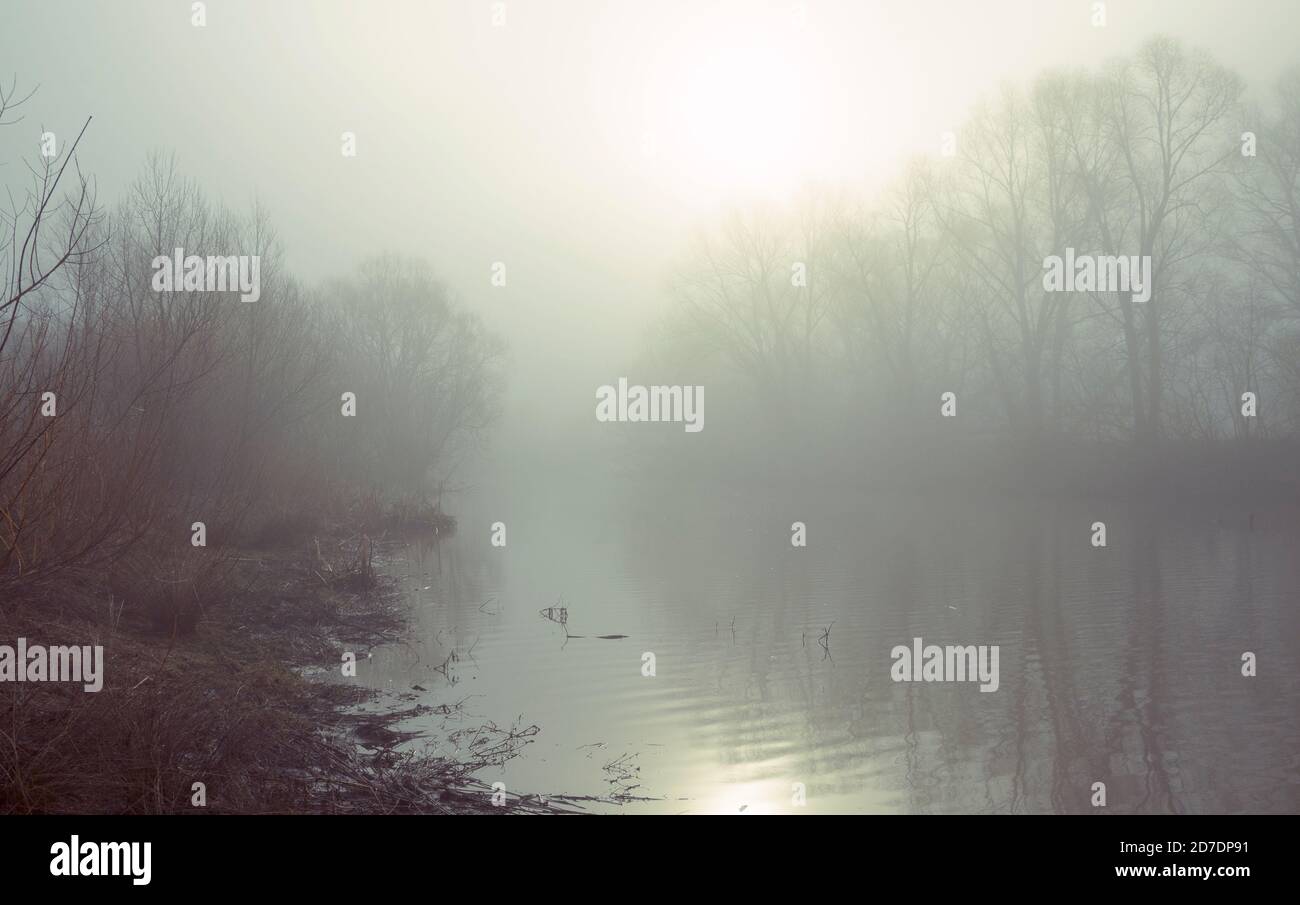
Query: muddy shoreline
x=248 y=711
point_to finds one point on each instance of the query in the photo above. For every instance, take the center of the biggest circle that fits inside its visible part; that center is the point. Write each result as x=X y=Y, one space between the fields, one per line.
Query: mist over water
x=623 y=399
x=1095 y=676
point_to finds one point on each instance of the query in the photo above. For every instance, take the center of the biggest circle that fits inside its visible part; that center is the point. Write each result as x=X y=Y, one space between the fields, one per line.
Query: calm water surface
x=1120 y=665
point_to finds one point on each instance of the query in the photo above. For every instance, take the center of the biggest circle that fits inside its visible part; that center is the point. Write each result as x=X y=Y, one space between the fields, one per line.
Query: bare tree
x=761 y=291
x=426 y=374
x=1162 y=142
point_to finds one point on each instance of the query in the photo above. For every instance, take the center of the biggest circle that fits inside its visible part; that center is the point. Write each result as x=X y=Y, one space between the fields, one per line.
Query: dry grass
x=225 y=706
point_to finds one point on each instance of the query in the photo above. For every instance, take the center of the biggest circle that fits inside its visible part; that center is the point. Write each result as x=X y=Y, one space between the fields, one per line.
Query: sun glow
x=744 y=112
x=746 y=798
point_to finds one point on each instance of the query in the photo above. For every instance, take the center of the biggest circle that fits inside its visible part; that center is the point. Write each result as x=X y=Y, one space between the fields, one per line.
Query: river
x=771 y=689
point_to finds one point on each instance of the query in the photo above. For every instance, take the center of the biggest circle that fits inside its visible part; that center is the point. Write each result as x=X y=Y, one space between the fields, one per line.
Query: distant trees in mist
x=170 y=408
x=127 y=413
x=937 y=285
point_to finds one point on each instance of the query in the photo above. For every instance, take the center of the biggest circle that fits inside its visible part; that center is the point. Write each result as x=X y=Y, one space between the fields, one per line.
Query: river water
x=772 y=687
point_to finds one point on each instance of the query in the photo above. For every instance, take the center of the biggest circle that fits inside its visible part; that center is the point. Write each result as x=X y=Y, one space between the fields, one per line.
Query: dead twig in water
x=825 y=642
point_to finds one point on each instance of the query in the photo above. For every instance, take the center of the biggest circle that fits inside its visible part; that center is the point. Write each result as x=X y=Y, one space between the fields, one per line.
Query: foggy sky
x=524 y=144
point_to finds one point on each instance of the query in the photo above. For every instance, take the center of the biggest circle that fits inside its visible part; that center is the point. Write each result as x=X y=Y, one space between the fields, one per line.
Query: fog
x=527 y=143
x=893 y=402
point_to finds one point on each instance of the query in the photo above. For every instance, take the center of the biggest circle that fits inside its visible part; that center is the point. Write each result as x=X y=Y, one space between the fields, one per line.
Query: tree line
x=834 y=310
x=128 y=414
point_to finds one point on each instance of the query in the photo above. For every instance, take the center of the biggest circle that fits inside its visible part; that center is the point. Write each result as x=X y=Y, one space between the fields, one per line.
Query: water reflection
x=1119 y=665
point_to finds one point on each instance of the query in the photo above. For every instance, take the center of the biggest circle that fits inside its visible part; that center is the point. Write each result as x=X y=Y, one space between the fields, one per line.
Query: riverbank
x=232 y=711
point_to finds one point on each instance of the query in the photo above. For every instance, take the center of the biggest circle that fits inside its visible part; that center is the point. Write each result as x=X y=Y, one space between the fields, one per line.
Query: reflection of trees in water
x=457 y=581
x=1141 y=686
x=1099 y=671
